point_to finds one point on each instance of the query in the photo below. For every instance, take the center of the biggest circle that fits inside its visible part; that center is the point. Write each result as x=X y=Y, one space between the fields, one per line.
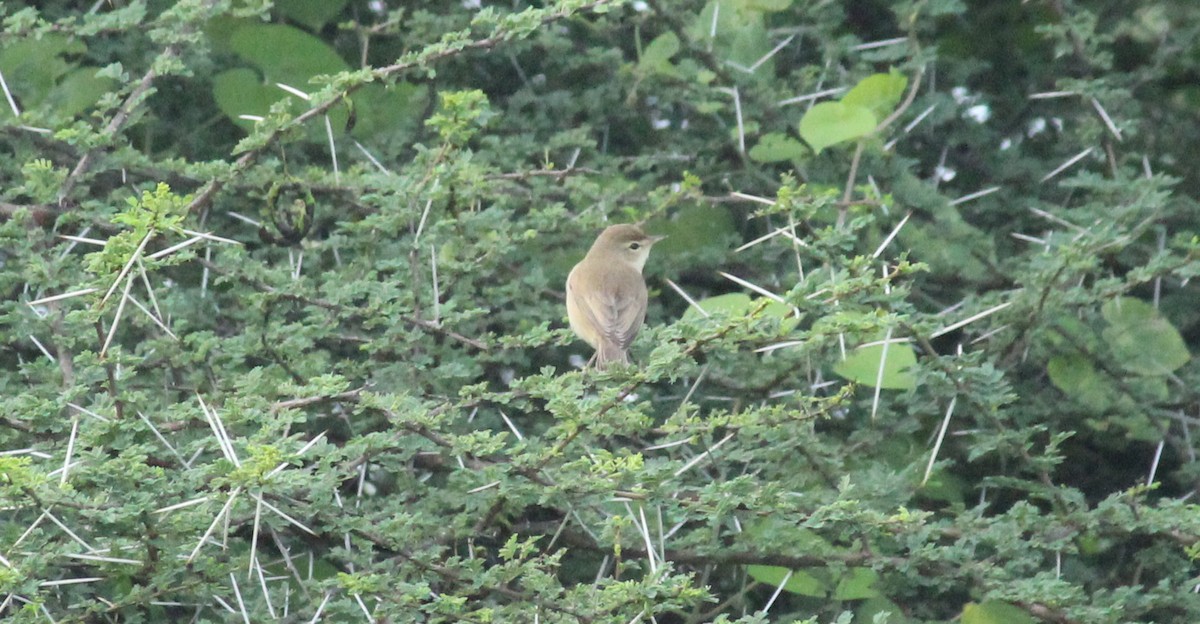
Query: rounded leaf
x=878 y=93
x=286 y=54
x=311 y=13
x=862 y=366
x=731 y=304
x=798 y=581
x=994 y=612
x=830 y=123
x=776 y=147
x=1141 y=340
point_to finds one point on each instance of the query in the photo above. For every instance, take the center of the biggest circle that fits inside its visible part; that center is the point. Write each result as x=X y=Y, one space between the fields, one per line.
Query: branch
x=114 y=125
x=348 y=395
x=42 y=214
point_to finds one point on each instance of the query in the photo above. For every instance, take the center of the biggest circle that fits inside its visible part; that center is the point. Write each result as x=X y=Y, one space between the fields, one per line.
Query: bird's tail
x=609 y=354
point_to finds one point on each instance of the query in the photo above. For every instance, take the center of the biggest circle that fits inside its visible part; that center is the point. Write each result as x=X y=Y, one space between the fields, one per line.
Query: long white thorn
x=67 y=295
x=128 y=265
x=217 y=520
x=786 y=577
x=756 y=288
x=70 y=449
x=1067 y=165
x=112 y=331
x=687 y=298
x=941 y=436
x=887 y=342
x=699 y=458
x=254 y=539
x=237 y=592
x=337 y=174
x=975 y=195
x=887 y=241
x=969 y=320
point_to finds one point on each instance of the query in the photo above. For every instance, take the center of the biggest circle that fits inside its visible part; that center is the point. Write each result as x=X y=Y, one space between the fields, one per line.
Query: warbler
x=606 y=294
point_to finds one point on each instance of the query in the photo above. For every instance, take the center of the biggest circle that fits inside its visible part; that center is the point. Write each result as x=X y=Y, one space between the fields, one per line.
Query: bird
x=606 y=293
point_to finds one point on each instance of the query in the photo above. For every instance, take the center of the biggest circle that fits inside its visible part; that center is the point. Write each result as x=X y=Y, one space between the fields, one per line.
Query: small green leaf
x=241 y=92
x=695 y=229
x=1078 y=378
x=994 y=612
x=1141 y=341
x=777 y=147
x=878 y=93
x=799 y=582
x=78 y=90
x=782 y=311
x=732 y=304
x=656 y=57
x=874 y=610
x=862 y=366
x=769 y=5
x=391 y=108
x=752 y=42
x=311 y=13
x=830 y=123
x=857 y=584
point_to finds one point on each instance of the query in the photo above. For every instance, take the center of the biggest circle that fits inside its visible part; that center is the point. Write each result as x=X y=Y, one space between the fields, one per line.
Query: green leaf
x=241 y=92
x=732 y=304
x=725 y=18
x=857 y=584
x=311 y=13
x=769 y=5
x=880 y=607
x=1141 y=341
x=782 y=311
x=830 y=123
x=777 y=147
x=946 y=487
x=1078 y=378
x=862 y=366
x=37 y=72
x=750 y=43
x=282 y=54
x=286 y=54
x=391 y=108
x=800 y=582
x=878 y=93
x=994 y=612
x=78 y=91
x=656 y=57
x=695 y=229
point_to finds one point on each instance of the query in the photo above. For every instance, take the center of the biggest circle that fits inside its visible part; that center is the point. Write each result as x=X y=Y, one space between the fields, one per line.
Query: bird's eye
x=635 y=246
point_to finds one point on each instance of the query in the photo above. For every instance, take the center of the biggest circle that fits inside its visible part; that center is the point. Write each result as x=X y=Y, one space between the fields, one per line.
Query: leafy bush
x=285 y=334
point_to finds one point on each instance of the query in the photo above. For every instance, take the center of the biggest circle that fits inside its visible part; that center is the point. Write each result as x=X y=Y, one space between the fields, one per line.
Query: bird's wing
x=617 y=313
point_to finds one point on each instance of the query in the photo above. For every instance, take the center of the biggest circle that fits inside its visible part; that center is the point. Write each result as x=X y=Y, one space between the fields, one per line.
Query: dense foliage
x=284 y=334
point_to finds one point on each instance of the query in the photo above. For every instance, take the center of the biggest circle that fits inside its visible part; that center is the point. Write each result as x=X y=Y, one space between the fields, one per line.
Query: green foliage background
x=284 y=335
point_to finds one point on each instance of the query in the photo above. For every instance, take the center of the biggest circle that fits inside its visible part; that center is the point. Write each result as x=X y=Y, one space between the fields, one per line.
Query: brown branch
x=348 y=395
x=557 y=174
x=115 y=124
x=112 y=377
x=42 y=214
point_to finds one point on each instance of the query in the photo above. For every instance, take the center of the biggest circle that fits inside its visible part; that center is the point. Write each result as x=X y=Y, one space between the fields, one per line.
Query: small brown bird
x=606 y=294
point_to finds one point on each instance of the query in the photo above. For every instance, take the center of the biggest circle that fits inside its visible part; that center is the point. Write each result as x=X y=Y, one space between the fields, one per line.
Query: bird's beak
x=655 y=239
